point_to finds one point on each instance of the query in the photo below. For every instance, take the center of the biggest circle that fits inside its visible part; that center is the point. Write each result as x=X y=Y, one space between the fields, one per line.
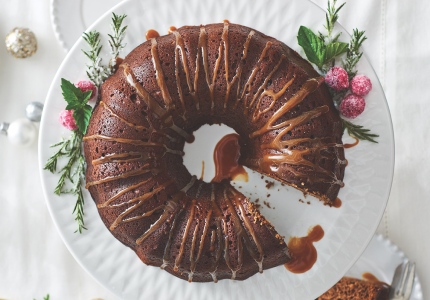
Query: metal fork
x=403 y=281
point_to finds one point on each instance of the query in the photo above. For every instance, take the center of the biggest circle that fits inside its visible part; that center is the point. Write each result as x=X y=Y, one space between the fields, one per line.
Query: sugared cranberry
x=67 y=120
x=85 y=85
x=361 y=85
x=337 y=78
x=352 y=106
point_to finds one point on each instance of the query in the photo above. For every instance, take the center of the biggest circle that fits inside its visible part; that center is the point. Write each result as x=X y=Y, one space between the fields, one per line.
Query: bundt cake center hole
x=214 y=154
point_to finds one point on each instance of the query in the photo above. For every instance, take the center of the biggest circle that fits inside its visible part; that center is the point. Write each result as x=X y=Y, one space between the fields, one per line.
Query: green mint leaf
x=335 y=49
x=71 y=94
x=82 y=117
x=86 y=97
x=312 y=45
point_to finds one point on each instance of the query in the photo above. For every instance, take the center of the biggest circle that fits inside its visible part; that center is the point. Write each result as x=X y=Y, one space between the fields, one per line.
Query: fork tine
x=409 y=282
x=402 y=281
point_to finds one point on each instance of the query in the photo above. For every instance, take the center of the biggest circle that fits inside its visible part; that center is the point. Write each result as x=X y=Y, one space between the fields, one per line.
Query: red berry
x=352 y=106
x=67 y=120
x=337 y=78
x=361 y=85
x=85 y=86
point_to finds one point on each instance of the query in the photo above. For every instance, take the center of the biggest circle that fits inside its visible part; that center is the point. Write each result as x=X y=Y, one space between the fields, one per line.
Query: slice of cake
x=349 y=288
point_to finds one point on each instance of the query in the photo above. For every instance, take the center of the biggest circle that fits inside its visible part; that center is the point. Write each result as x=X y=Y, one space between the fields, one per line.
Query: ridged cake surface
x=162 y=92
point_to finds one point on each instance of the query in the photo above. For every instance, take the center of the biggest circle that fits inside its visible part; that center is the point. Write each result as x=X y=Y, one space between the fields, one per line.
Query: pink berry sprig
x=66 y=119
x=348 y=95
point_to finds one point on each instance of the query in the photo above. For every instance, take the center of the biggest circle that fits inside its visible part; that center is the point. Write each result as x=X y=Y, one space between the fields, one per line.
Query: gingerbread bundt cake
x=162 y=92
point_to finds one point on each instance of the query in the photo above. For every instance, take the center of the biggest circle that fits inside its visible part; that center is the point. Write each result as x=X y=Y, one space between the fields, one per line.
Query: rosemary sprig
x=331 y=17
x=353 y=55
x=359 y=131
x=78 y=210
x=96 y=72
x=73 y=172
x=116 y=39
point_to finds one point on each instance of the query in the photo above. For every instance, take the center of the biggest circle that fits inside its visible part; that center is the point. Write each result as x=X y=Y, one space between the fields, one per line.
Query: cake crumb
x=269 y=184
x=268 y=195
x=309 y=202
x=267 y=204
x=300 y=200
x=280 y=237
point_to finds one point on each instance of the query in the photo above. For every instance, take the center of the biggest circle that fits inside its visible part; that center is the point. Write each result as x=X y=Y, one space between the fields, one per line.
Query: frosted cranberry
x=66 y=119
x=85 y=85
x=337 y=78
x=352 y=106
x=361 y=85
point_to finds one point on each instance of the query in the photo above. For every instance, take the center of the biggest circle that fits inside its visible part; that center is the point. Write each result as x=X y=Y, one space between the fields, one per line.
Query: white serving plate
x=348 y=229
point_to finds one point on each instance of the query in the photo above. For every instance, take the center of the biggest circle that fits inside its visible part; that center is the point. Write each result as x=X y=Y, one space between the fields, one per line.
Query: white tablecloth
x=33 y=258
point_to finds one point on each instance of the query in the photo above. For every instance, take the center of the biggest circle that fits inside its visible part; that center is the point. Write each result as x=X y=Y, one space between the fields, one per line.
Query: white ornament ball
x=22 y=132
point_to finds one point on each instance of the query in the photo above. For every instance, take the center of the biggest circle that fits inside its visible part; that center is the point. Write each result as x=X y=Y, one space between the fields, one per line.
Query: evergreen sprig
x=331 y=17
x=116 y=38
x=72 y=173
x=359 y=131
x=96 y=72
x=354 y=54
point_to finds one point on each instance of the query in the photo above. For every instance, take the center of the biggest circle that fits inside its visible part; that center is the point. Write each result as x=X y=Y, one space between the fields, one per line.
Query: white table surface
x=33 y=258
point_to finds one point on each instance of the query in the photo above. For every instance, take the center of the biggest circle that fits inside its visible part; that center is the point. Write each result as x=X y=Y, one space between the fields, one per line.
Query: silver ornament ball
x=22 y=132
x=21 y=42
x=33 y=111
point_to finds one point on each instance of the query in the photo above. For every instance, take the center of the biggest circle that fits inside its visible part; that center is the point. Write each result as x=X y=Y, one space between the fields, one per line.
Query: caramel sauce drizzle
x=216 y=68
x=140 y=201
x=308 y=87
x=122 y=192
x=260 y=92
x=137 y=172
x=303 y=251
x=151 y=33
x=169 y=241
x=159 y=75
x=171 y=29
x=153 y=105
x=122 y=140
x=247 y=85
x=170 y=207
x=355 y=143
x=181 y=56
x=120 y=158
x=161 y=113
x=122 y=119
x=272 y=94
x=184 y=237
